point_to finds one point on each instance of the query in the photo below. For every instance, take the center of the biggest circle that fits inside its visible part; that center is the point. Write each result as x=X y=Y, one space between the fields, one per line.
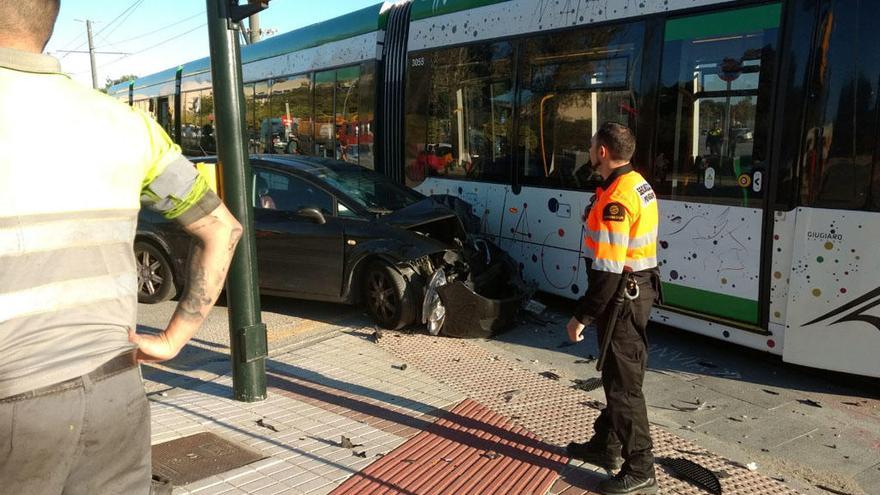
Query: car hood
x=416 y=214
x=428 y=218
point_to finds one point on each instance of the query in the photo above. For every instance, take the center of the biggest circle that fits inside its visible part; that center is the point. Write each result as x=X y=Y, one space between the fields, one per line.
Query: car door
x=297 y=254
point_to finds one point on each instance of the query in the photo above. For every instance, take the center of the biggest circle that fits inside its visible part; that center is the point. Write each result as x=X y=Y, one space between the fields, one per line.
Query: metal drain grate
x=587 y=385
x=691 y=471
x=198 y=456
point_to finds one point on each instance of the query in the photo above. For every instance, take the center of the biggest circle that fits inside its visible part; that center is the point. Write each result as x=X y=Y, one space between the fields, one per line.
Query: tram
x=757 y=125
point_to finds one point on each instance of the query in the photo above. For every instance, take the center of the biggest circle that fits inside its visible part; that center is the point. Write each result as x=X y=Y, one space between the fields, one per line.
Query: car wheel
x=388 y=296
x=155 y=279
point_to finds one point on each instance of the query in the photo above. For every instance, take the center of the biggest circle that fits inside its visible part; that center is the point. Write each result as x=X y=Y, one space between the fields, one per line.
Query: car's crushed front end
x=470 y=288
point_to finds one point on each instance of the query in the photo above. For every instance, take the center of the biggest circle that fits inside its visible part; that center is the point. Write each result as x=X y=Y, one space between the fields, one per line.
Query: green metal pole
x=247 y=334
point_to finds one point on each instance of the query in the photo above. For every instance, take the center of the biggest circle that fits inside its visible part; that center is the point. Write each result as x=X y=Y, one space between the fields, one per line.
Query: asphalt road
x=818 y=431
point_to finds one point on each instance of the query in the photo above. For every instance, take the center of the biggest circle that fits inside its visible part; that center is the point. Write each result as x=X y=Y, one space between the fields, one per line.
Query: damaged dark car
x=330 y=231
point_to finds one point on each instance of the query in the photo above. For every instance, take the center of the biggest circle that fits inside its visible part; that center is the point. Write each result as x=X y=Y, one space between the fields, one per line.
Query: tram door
x=711 y=165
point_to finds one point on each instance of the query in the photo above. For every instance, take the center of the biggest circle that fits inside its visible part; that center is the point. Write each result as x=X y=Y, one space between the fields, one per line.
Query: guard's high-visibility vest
x=621 y=227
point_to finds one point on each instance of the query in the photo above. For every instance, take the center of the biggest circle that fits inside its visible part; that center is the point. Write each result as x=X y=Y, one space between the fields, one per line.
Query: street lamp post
x=247 y=334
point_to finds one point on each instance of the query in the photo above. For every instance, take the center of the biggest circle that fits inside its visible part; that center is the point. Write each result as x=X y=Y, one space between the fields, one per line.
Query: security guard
x=621 y=239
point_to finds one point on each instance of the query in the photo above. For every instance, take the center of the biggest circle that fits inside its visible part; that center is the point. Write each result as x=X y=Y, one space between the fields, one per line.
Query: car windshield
x=373 y=191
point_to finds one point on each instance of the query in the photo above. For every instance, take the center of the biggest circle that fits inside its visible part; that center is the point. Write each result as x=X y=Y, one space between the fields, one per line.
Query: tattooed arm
x=216 y=236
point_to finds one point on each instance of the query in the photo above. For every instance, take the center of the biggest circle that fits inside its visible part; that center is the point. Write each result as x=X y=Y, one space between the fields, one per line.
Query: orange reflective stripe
x=622 y=225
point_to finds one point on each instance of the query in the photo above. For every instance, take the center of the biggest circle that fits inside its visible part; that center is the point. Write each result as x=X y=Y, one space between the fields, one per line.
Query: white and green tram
x=757 y=124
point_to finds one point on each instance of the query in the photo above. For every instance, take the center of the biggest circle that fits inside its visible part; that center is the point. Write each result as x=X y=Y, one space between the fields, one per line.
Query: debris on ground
x=590 y=358
x=771 y=392
x=830 y=490
x=376 y=335
x=549 y=374
x=594 y=404
x=346 y=443
x=491 y=454
x=810 y=402
x=400 y=367
x=262 y=424
x=362 y=453
x=508 y=396
x=692 y=452
x=696 y=405
x=535 y=307
x=752 y=466
x=587 y=385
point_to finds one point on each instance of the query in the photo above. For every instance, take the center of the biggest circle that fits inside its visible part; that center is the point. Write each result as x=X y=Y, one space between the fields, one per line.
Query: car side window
x=278 y=191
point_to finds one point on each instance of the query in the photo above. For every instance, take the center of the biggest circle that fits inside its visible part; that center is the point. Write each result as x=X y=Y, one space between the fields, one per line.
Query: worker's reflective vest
x=621 y=226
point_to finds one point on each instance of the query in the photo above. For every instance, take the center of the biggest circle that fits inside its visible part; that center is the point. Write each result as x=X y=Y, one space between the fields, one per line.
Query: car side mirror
x=314 y=214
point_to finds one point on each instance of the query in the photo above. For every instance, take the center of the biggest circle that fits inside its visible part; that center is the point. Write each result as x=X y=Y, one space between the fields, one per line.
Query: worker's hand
x=152 y=348
x=575 y=330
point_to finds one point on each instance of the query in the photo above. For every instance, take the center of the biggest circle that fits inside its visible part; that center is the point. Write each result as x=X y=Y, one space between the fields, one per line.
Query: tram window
x=189 y=127
x=250 y=119
x=346 y=114
x=325 y=83
x=366 y=112
x=841 y=130
x=263 y=121
x=714 y=106
x=571 y=83
x=419 y=155
x=292 y=103
x=207 y=140
x=469 y=108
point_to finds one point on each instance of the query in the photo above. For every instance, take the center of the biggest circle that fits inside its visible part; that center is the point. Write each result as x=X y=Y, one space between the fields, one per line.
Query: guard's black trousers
x=623 y=424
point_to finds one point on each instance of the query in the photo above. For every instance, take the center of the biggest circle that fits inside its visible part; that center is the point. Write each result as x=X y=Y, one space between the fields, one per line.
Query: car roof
x=309 y=164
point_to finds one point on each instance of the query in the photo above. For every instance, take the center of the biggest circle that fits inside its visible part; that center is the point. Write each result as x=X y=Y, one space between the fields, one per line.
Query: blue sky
x=162 y=33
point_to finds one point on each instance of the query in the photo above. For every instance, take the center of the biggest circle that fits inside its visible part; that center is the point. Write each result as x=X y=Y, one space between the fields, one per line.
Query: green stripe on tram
x=423 y=9
x=710 y=303
x=736 y=21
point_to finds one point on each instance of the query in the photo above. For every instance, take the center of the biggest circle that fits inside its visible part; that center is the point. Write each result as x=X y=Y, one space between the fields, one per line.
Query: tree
x=112 y=82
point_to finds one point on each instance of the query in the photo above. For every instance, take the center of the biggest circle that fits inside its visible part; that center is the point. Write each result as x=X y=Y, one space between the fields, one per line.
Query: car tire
x=155 y=277
x=388 y=296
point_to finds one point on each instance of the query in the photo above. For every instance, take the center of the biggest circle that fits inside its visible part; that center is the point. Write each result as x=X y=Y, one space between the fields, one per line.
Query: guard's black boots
x=596 y=456
x=627 y=484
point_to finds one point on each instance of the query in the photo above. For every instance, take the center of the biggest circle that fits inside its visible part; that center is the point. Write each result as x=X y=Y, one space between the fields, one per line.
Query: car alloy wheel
x=388 y=296
x=155 y=282
x=382 y=298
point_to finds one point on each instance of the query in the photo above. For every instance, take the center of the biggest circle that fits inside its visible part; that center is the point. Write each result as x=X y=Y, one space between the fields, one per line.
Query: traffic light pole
x=247 y=334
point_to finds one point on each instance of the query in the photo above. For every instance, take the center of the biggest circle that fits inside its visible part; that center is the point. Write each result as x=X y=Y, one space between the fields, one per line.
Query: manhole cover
x=198 y=456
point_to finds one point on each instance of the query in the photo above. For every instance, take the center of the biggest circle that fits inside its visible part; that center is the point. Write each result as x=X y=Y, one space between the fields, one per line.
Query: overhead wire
x=143 y=35
x=121 y=21
x=134 y=4
x=156 y=44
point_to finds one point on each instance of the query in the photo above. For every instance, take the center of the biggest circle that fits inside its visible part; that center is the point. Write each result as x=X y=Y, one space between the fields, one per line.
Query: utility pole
x=92 y=54
x=247 y=334
x=253 y=29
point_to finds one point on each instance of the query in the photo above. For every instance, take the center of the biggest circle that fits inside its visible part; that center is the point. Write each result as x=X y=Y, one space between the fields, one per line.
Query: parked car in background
x=331 y=231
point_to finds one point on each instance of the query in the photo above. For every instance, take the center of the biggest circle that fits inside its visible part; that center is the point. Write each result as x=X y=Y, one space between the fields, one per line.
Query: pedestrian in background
x=73 y=415
x=621 y=240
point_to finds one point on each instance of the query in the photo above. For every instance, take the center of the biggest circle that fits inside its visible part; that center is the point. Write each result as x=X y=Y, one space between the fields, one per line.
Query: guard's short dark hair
x=618 y=138
x=31 y=18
